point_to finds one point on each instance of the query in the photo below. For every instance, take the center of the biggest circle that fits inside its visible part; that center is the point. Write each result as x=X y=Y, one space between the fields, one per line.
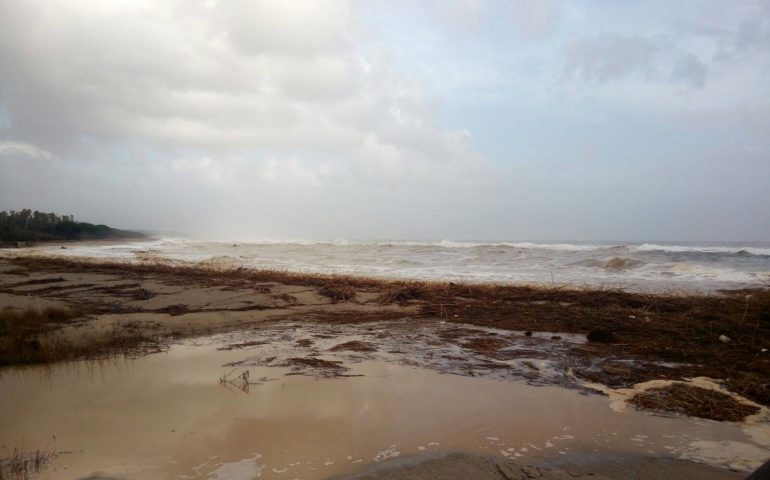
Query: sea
x=638 y=266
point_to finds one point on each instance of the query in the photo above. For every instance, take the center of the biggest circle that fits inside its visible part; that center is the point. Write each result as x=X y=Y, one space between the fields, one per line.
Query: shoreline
x=461 y=466
x=724 y=335
x=639 y=349
x=622 y=267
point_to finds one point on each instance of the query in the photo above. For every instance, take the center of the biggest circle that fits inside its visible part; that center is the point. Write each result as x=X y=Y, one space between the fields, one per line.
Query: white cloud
x=226 y=76
x=330 y=118
x=21 y=149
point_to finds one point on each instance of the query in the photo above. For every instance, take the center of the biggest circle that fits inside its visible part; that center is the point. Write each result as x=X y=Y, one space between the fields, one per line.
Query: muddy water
x=167 y=416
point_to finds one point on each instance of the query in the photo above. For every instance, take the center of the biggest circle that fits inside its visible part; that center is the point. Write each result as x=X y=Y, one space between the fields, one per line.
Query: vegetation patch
x=338 y=291
x=693 y=401
x=22 y=464
x=28 y=226
x=403 y=293
x=15 y=322
x=28 y=336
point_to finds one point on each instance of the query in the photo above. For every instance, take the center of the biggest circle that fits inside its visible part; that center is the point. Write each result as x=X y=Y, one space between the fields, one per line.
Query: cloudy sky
x=467 y=119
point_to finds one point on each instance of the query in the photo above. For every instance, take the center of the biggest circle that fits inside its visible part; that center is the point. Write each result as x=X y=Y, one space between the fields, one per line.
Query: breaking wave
x=652 y=247
x=643 y=265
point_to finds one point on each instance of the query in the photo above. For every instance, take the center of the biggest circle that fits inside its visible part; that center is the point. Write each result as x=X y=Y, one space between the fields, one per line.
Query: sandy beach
x=566 y=374
x=336 y=239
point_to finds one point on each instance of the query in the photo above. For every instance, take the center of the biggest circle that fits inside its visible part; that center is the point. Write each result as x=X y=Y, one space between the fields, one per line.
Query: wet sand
x=166 y=415
x=332 y=387
x=461 y=466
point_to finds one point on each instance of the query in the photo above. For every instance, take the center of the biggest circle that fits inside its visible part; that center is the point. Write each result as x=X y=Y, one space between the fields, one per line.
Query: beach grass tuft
x=22 y=464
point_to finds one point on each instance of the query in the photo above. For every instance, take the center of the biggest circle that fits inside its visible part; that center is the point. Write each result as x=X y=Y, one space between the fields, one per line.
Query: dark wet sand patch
x=462 y=466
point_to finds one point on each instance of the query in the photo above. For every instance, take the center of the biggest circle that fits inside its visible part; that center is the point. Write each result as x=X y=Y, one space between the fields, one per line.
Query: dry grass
x=21 y=332
x=28 y=336
x=23 y=465
x=15 y=322
x=192 y=272
x=338 y=291
x=403 y=293
x=693 y=401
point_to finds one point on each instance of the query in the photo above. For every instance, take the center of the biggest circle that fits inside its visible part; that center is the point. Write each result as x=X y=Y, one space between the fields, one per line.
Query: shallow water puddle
x=167 y=416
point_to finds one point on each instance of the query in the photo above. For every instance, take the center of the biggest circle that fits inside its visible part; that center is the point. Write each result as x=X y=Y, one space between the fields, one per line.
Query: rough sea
x=653 y=266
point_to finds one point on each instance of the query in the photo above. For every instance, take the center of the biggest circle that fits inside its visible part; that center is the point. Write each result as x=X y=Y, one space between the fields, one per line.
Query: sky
x=457 y=119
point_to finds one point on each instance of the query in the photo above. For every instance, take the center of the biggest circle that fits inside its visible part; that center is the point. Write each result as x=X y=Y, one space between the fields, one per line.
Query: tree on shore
x=27 y=225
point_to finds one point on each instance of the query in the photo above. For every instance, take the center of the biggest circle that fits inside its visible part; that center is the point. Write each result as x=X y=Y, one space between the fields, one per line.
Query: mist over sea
x=652 y=266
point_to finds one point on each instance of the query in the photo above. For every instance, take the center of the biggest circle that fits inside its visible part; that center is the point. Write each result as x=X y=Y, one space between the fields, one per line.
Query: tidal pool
x=167 y=415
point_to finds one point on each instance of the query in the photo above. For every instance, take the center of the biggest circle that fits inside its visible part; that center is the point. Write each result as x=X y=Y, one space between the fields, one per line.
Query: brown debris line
x=654 y=328
x=485 y=345
x=693 y=401
x=17 y=271
x=234 y=346
x=403 y=293
x=622 y=372
x=338 y=291
x=648 y=327
x=313 y=363
x=60 y=290
x=186 y=272
x=291 y=299
x=132 y=290
x=173 y=310
x=354 y=346
x=39 y=281
x=314 y=366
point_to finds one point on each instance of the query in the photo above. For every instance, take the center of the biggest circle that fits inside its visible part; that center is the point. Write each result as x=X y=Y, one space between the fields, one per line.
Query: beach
x=325 y=375
x=343 y=240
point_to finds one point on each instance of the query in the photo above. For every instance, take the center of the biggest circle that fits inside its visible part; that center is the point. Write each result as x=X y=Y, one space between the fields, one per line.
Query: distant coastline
x=26 y=227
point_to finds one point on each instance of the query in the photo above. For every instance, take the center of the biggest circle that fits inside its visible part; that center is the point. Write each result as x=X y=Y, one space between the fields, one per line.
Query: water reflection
x=182 y=413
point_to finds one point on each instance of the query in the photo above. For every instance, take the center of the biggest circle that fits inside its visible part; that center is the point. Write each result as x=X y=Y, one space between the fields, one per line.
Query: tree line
x=27 y=225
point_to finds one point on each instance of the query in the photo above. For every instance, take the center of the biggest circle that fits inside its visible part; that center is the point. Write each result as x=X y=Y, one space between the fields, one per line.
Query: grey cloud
x=690 y=70
x=243 y=112
x=609 y=57
x=739 y=30
x=612 y=57
x=305 y=28
x=535 y=19
x=248 y=75
x=281 y=119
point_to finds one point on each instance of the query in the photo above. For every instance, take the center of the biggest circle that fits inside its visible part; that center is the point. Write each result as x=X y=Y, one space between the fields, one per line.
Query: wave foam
x=653 y=247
